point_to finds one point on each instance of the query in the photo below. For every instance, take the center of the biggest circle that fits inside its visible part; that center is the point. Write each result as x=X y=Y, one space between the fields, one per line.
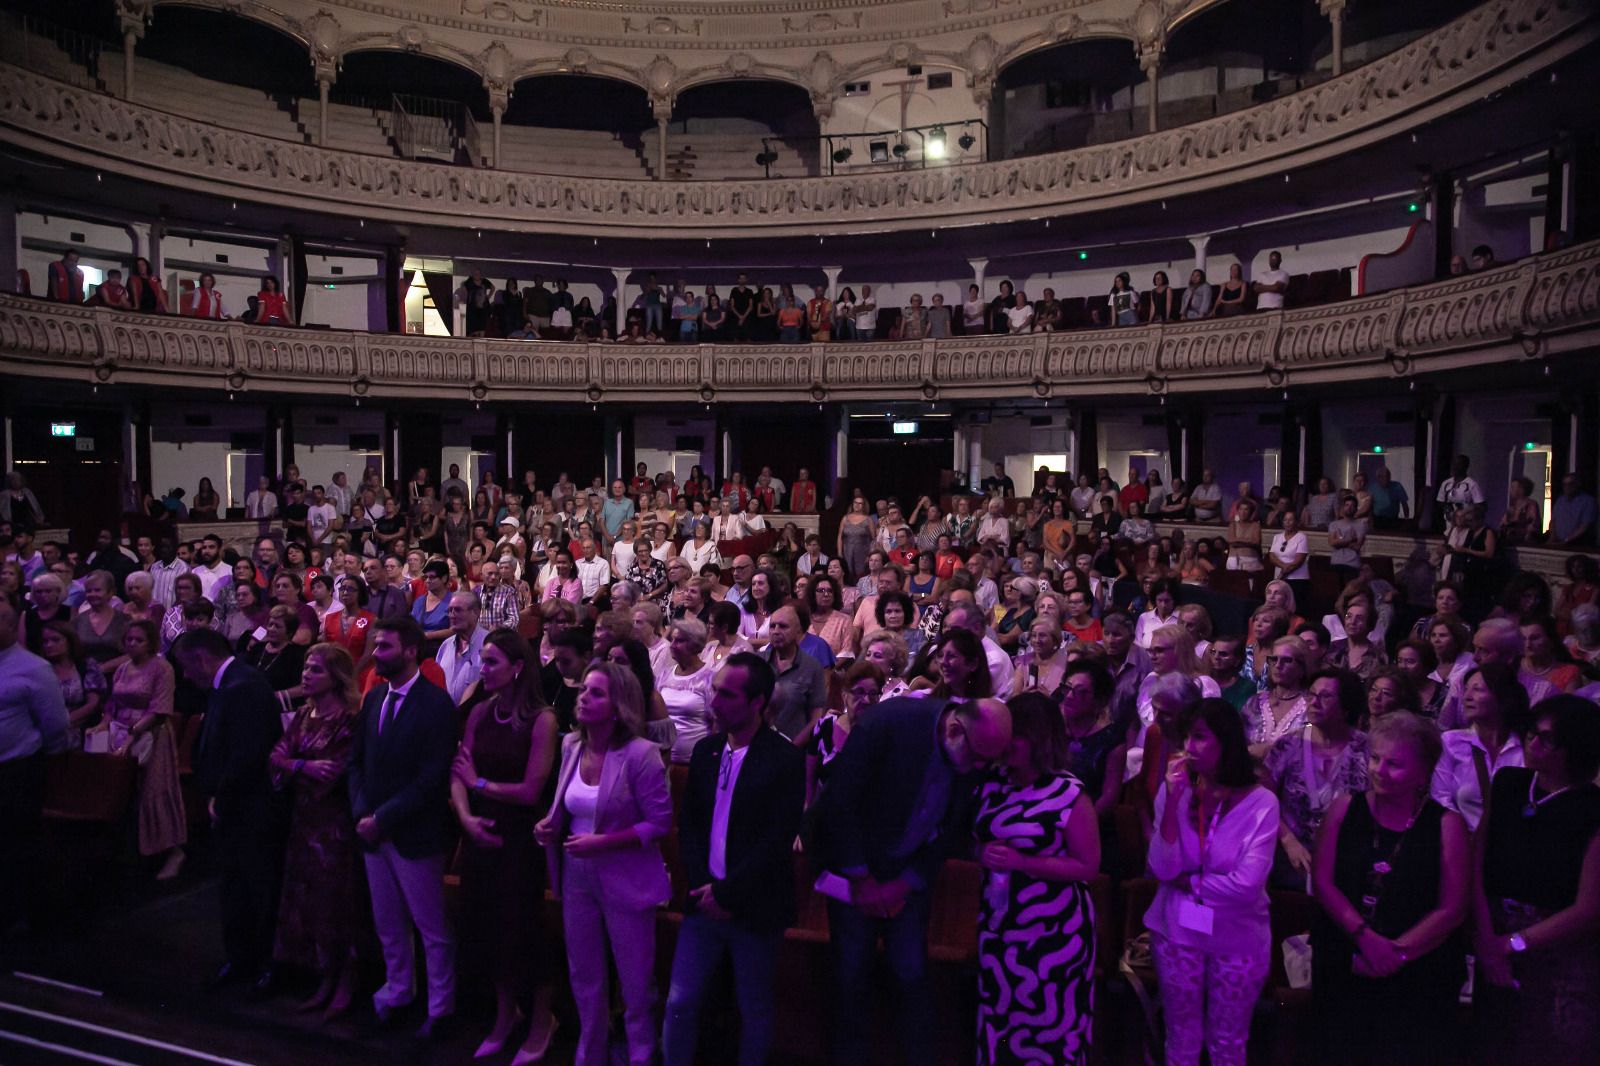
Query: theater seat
x=89 y=789
x=953 y=913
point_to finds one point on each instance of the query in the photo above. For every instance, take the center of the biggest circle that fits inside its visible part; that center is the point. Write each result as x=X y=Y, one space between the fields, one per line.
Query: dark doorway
x=85 y=470
x=904 y=465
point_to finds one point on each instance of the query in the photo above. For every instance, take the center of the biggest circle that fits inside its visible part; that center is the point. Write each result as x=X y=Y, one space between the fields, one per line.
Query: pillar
x=975 y=459
x=1151 y=62
x=499 y=113
x=323 y=85
x=958 y=461
x=832 y=274
x=499 y=100
x=1334 y=10
x=621 y=274
x=1200 y=244
x=10 y=246
x=978 y=267
x=661 y=147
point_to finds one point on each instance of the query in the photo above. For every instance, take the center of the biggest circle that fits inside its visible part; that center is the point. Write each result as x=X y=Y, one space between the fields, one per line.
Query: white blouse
x=1229 y=880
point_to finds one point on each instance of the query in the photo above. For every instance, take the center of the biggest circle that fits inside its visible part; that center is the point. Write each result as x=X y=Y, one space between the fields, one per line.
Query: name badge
x=1195 y=916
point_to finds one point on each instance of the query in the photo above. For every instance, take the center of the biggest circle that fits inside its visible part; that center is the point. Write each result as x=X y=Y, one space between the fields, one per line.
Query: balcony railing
x=1537 y=309
x=1494 y=46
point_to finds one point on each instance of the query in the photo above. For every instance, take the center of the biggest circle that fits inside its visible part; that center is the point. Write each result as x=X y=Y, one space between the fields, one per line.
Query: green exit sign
x=63 y=429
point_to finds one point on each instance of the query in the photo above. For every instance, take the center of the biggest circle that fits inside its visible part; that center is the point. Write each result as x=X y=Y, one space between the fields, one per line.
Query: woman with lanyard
x=1211 y=935
x=1392 y=876
x=1309 y=769
x=1537 y=934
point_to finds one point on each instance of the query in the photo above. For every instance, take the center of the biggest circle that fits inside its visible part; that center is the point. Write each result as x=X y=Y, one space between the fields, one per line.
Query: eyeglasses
x=866 y=694
x=1544 y=736
x=1282 y=660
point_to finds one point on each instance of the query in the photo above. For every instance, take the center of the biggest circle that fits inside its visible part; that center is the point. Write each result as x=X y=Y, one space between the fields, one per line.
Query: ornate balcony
x=1454 y=67
x=1536 y=309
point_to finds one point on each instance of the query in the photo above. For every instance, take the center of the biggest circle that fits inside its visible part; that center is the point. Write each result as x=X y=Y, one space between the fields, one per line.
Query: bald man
x=897 y=804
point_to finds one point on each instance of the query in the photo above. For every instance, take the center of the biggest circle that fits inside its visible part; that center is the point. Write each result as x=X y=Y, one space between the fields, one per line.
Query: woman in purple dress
x=322 y=911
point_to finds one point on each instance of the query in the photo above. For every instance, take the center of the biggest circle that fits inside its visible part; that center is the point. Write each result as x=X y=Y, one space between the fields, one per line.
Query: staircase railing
x=428 y=128
x=39 y=45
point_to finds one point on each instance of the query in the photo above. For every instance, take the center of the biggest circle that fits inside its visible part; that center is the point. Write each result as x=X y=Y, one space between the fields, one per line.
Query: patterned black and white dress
x=1036 y=944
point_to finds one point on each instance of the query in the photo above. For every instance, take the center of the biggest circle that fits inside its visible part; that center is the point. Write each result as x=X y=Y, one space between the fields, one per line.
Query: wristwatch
x=1516 y=943
x=480 y=784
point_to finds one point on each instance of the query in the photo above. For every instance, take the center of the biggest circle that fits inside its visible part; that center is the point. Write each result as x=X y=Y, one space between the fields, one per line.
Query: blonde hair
x=627 y=702
x=1182 y=645
x=342 y=668
x=1301 y=653
x=899 y=650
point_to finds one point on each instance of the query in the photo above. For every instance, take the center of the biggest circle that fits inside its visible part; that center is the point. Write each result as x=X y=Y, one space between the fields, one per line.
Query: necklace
x=1075 y=740
x=1533 y=805
x=507 y=719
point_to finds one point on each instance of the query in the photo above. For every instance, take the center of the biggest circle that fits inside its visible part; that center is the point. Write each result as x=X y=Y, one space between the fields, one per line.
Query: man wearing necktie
x=399 y=794
x=230 y=767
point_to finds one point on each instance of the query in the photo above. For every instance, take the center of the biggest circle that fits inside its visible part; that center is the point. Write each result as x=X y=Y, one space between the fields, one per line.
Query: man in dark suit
x=898 y=799
x=230 y=767
x=741 y=813
x=399 y=794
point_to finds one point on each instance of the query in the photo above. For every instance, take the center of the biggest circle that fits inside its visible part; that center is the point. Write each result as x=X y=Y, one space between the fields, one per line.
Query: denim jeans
x=653 y=318
x=702 y=942
x=905 y=949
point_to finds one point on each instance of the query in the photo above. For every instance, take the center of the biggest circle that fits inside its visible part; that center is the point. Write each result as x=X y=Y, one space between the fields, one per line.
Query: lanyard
x=1211 y=831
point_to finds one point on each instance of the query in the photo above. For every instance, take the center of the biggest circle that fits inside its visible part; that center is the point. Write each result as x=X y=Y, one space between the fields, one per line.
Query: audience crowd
x=748 y=312
x=1096 y=692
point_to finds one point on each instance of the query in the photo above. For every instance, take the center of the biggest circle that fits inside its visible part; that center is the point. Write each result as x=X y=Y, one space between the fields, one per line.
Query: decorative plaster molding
x=1491 y=46
x=1461 y=322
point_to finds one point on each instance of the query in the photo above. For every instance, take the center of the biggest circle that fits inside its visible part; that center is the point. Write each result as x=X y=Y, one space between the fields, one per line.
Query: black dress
x=502 y=889
x=1408 y=1018
x=1086 y=760
x=1531 y=869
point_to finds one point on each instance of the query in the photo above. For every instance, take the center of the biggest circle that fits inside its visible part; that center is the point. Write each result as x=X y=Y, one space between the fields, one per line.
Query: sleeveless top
x=1405 y=894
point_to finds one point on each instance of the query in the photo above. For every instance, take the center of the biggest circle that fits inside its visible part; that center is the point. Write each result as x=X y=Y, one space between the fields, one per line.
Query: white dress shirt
x=594 y=574
x=1455 y=776
x=728 y=768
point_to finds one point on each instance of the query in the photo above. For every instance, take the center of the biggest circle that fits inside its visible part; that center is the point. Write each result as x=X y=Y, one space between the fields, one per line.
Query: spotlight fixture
x=900 y=149
x=842 y=155
x=935 y=146
x=880 y=151
x=966 y=140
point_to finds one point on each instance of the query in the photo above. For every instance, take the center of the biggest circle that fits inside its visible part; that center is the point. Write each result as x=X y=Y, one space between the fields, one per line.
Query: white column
x=323 y=85
x=499 y=113
x=621 y=274
x=1152 y=68
x=832 y=274
x=139 y=236
x=975 y=460
x=1301 y=478
x=511 y=472
x=958 y=462
x=1200 y=244
x=841 y=450
x=978 y=267
x=1334 y=10
x=727 y=454
x=661 y=148
x=618 y=469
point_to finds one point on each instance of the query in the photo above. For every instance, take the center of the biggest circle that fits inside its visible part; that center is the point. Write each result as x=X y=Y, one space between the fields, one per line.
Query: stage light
x=900 y=149
x=936 y=143
x=842 y=155
x=880 y=151
x=966 y=141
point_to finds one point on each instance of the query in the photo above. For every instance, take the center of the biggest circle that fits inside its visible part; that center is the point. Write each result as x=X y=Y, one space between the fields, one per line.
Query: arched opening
x=741 y=129
x=578 y=124
x=417 y=105
x=1065 y=97
x=257 y=56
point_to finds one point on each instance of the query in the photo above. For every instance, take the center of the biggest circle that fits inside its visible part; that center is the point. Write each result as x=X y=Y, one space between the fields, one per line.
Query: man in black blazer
x=242 y=725
x=741 y=813
x=898 y=800
x=399 y=794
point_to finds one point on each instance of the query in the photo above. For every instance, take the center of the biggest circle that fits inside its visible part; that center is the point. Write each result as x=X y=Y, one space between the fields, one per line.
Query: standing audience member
x=136 y=725
x=399 y=788
x=1216 y=831
x=1392 y=875
x=231 y=769
x=1039 y=844
x=498 y=790
x=321 y=912
x=602 y=838
x=741 y=812
x=898 y=801
x=33 y=725
x=1536 y=899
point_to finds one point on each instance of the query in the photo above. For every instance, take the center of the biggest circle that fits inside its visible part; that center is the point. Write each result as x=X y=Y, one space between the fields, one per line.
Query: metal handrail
x=40 y=45
x=858 y=146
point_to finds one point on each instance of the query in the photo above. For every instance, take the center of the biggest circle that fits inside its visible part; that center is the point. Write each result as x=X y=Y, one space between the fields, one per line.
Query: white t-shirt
x=867 y=315
x=1020 y=318
x=1283 y=544
x=1271 y=301
x=319 y=519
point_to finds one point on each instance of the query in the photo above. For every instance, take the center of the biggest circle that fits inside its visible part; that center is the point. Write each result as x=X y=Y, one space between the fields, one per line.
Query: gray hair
x=1505 y=634
x=694 y=629
x=1586 y=623
x=1177 y=688
x=472 y=599
x=48 y=578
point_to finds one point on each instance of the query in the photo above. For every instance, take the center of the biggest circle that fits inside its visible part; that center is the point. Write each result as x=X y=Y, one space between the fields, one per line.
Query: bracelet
x=480 y=784
x=299 y=765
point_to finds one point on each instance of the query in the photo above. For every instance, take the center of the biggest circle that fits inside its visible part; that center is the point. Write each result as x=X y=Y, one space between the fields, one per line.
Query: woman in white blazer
x=602 y=839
